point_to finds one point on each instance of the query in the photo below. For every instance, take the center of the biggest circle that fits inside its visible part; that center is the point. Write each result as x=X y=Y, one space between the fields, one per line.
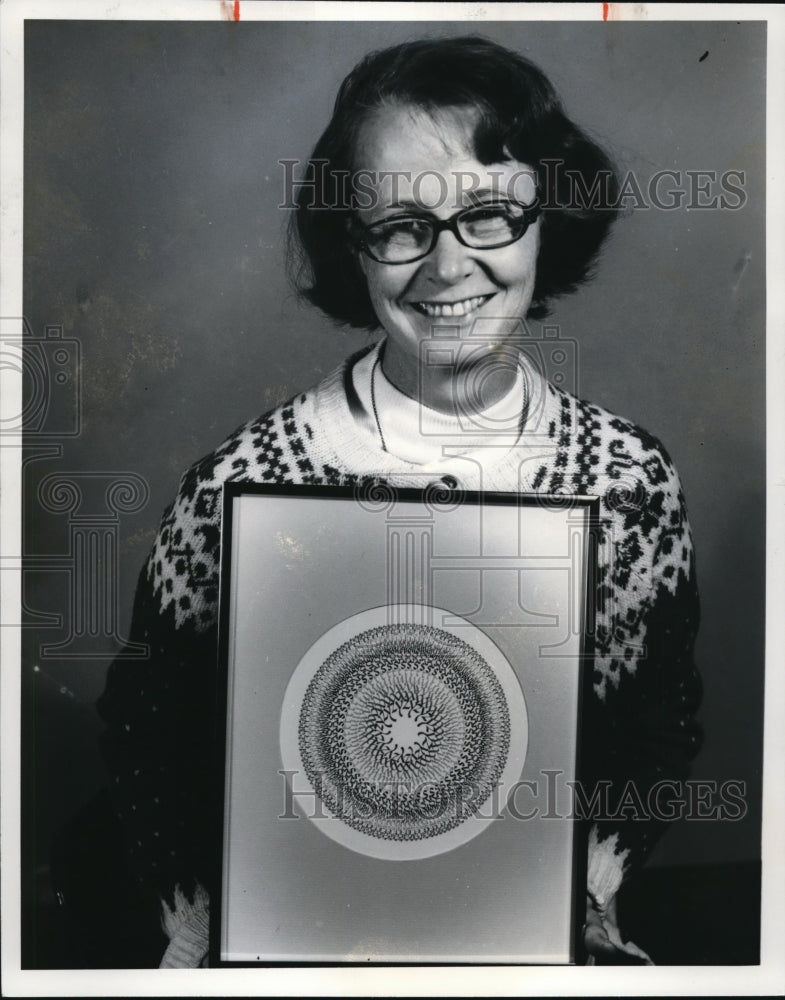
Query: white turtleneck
x=421 y=435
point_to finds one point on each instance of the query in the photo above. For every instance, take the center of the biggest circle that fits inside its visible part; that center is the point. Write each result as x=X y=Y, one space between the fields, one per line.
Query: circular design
x=375 y=496
x=34 y=388
x=404 y=731
x=443 y=496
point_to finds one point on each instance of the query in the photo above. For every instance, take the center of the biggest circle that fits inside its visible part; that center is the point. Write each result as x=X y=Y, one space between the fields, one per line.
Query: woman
x=441 y=201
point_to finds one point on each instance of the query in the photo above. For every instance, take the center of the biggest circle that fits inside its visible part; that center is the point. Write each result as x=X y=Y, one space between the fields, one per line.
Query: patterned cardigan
x=639 y=729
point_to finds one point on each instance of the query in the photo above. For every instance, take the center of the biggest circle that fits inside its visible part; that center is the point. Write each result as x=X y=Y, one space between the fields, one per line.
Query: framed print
x=153 y=159
x=402 y=673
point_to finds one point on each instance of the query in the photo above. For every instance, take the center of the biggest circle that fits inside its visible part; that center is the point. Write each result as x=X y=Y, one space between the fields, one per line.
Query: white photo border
x=478 y=981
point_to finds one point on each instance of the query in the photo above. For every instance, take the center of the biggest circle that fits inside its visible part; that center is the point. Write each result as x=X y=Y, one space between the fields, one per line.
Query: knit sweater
x=639 y=728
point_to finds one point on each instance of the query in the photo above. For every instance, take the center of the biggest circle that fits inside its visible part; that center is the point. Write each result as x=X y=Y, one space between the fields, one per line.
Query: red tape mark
x=237 y=9
x=605 y=10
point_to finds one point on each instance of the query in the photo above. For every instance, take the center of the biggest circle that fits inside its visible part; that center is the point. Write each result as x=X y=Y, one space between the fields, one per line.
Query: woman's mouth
x=462 y=307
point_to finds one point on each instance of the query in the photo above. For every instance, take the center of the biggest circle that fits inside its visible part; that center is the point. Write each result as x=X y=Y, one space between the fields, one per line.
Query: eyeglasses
x=404 y=239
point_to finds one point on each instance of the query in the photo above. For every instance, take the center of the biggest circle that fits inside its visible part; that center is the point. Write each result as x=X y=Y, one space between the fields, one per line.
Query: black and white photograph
x=385 y=497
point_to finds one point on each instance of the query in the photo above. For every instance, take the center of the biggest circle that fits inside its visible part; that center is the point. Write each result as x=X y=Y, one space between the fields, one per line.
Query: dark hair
x=520 y=117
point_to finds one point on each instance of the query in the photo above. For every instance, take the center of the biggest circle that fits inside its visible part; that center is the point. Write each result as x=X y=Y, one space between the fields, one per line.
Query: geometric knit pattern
x=644 y=538
x=640 y=727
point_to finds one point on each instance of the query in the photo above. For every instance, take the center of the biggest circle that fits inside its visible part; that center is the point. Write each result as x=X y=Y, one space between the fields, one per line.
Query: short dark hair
x=520 y=117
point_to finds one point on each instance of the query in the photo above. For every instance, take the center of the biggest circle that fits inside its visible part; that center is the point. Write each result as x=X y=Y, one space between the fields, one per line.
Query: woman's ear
x=353 y=265
x=358 y=258
x=360 y=261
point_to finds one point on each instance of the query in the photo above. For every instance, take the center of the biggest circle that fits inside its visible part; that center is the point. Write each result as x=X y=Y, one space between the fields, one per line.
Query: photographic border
x=766 y=978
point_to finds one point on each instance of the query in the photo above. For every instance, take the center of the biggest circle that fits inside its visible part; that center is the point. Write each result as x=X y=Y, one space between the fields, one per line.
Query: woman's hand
x=603 y=943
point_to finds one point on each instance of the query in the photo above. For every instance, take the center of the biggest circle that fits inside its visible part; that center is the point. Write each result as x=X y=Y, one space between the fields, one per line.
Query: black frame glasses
x=519 y=224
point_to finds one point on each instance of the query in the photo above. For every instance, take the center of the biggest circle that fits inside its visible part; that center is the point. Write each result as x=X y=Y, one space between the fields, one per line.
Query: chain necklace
x=373 y=403
x=376 y=412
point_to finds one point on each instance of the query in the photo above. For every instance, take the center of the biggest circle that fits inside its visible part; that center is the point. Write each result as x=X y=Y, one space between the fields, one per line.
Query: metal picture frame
x=400 y=689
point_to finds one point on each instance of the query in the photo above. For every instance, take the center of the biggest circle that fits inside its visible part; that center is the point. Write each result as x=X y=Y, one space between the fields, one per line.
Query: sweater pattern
x=640 y=726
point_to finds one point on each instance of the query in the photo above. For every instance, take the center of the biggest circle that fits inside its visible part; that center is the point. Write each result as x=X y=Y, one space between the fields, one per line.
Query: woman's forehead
x=424 y=156
x=394 y=135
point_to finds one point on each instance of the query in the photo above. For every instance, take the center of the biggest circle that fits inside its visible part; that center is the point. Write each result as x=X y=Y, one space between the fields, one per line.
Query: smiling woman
x=483 y=270
x=464 y=231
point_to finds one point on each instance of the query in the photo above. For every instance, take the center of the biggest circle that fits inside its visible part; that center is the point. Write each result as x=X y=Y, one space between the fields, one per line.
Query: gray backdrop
x=153 y=237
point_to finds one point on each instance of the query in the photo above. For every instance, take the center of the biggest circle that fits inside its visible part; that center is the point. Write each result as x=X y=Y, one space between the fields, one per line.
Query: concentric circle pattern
x=404 y=731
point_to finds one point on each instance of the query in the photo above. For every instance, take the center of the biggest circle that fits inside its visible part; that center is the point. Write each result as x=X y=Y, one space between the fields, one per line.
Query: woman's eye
x=404 y=227
x=494 y=213
x=489 y=219
x=405 y=230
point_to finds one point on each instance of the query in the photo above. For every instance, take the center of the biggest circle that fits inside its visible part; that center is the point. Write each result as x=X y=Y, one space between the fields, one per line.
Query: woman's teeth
x=462 y=308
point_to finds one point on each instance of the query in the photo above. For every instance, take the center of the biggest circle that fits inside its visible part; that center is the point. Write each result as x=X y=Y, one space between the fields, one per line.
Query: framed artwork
x=399 y=709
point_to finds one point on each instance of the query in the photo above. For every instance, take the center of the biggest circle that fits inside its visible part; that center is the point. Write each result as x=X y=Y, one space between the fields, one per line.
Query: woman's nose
x=449 y=261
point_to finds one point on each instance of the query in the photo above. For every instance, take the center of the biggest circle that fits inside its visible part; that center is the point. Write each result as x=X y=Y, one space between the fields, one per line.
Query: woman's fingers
x=596 y=940
x=597 y=943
